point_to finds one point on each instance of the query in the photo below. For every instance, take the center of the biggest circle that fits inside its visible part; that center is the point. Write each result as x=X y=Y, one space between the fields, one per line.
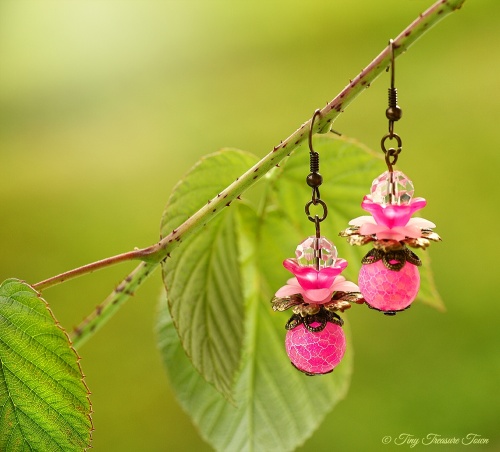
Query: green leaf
x=202 y=275
x=43 y=398
x=428 y=292
x=275 y=407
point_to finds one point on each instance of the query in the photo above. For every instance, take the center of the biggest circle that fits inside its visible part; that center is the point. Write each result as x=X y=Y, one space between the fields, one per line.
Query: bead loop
x=316 y=218
x=391 y=154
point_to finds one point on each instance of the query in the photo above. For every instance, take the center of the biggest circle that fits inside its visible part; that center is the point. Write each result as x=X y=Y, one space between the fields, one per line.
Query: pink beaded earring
x=315 y=341
x=389 y=278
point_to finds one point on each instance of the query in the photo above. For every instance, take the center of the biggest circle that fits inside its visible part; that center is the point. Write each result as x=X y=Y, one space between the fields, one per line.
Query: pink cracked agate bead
x=389 y=290
x=315 y=353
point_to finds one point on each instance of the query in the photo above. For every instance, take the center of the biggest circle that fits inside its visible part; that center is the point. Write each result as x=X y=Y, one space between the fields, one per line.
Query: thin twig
x=111 y=304
x=153 y=255
x=139 y=254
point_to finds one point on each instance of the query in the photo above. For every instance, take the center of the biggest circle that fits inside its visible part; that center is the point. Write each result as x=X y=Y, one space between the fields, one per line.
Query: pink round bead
x=388 y=290
x=315 y=353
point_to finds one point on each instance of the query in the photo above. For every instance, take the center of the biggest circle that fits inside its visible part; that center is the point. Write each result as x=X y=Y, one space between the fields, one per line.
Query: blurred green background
x=105 y=104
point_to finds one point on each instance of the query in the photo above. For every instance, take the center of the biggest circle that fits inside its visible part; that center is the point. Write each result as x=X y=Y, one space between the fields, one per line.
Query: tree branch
x=322 y=124
x=154 y=254
x=139 y=254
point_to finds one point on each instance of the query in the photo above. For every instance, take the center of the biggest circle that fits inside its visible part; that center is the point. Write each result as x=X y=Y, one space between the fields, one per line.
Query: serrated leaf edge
x=78 y=357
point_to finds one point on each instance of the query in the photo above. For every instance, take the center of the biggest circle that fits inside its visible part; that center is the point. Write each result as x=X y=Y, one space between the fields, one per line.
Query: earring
x=315 y=341
x=389 y=279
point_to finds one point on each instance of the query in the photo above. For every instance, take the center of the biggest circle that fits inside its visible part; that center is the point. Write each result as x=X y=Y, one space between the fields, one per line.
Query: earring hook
x=393 y=113
x=316 y=113
x=314 y=180
x=393 y=67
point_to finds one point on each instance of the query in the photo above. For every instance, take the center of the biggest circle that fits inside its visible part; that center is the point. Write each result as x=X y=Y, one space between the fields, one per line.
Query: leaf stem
x=154 y=254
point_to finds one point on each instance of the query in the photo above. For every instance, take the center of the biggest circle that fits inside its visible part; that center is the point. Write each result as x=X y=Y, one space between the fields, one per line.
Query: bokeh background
x=105 y=104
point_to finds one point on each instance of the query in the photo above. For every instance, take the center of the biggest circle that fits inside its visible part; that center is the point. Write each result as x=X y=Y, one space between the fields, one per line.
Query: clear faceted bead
x=312 y=249
x=392 y=188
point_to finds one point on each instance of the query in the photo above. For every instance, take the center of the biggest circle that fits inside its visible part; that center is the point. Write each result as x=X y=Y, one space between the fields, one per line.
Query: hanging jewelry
x=389 y=279
x=315 y=341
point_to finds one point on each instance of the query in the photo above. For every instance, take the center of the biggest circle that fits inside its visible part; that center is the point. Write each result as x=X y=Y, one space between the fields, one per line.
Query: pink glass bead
x=315 y=353
x=388 y=290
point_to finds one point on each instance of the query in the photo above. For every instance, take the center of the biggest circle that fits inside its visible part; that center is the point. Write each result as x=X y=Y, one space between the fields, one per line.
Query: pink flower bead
x=389 y=290
x=315 y=353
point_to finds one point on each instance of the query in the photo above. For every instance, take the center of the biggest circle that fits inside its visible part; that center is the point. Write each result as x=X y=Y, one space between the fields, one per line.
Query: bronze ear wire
x=393 y=114
x=314 y=180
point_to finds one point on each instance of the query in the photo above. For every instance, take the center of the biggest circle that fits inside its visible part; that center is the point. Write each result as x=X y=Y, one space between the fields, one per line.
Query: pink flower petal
x=306 y=276
x=287 y=290
x=392 y=215
x=345 y=286
x=421 y=223
x=369 y=229
x=309 y=278
x=327 y=275
x=291 y=265
x=409 y=231
x=341 y=263
x=360 y=221
x=399 y=233
x=318 y=296
x=390 y=234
